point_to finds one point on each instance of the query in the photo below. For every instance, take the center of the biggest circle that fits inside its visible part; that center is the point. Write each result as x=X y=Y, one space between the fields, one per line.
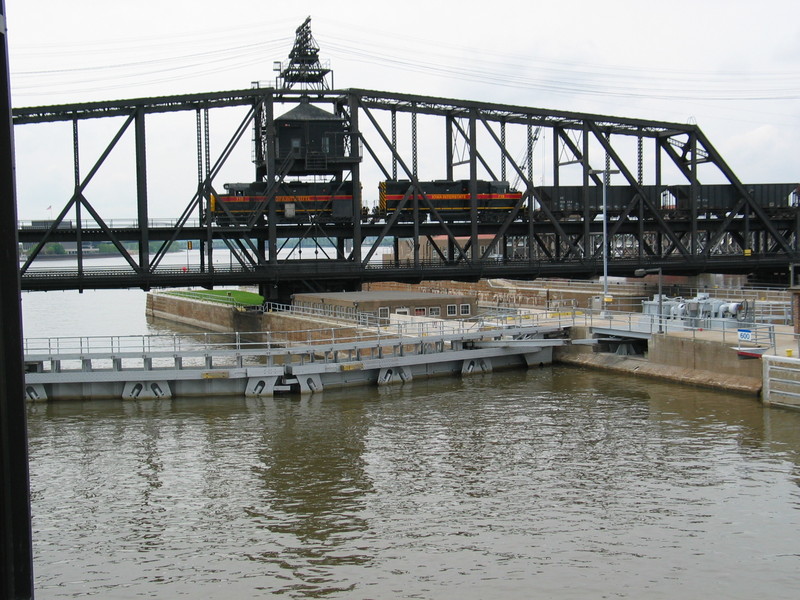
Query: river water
x=557 y=482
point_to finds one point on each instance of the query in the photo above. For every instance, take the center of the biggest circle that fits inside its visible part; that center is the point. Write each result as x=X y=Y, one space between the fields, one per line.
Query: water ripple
x=557 y=483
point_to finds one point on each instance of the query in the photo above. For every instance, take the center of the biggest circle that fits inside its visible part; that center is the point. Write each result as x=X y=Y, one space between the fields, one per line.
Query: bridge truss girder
x=586 y=142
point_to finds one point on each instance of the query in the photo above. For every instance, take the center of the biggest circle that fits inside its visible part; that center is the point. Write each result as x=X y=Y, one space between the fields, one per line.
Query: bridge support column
x=274 y=292
x=16 y=557
x=356 y=177
x=141 y=192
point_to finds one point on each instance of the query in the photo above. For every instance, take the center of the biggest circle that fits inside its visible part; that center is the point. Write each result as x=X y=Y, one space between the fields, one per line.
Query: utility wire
x=395 y=52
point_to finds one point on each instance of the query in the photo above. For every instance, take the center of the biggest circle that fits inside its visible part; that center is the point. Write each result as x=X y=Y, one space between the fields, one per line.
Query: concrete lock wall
x=701 y=355
x=206 y=315
x=684 y=360
x=306 y=330
x=222 y=318
x=549 y=294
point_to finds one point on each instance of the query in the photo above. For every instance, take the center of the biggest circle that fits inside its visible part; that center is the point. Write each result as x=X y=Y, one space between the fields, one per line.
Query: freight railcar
x=717 y=200
x=573 y=201
x=673 y=201
x=449 y=199
x=296 y=202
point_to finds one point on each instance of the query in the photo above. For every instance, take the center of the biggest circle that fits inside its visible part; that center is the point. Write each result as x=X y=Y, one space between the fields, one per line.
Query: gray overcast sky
x=733 y=66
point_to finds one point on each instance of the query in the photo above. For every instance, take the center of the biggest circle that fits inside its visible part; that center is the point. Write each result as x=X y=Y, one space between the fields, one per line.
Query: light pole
x=642 y=273
x=605 y=173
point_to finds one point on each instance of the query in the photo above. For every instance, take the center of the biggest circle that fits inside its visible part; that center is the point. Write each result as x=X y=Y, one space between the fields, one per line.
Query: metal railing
x=44 y=224
x=583 y=285
x=208 y=351
x=366 y=326
x=781 y=382
x=76 y=346
x=743 y=335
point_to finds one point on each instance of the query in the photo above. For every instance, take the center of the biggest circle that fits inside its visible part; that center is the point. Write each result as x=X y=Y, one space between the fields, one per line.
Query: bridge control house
x=383 y=304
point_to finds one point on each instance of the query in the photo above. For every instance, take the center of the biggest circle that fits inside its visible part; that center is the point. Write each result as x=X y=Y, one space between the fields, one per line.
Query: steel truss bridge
x=412 y=137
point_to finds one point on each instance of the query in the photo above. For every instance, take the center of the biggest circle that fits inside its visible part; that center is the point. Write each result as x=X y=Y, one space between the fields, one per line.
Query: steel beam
x=428 y=105
x=355 y=133
x=413 y=180
x=473 y=184
x=16 y=569
x=640 y=220
x=141 y=192
x=632 y=181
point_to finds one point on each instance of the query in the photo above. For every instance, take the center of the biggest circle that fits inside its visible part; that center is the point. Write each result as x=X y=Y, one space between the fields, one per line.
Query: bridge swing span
x=674 y=203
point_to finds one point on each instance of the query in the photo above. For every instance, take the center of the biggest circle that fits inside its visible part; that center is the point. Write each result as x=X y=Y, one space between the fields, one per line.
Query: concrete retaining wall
x=694 y=362
x=219 y=317
x=547 y=294
x=205 y=315
x=702 y=355
x=306 y=329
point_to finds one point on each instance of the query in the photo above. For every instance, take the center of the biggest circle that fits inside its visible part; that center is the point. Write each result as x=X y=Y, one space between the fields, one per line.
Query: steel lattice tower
x=304 y=66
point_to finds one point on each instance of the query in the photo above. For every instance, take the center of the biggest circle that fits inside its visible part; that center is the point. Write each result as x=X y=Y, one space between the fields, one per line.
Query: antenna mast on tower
x=304 y=67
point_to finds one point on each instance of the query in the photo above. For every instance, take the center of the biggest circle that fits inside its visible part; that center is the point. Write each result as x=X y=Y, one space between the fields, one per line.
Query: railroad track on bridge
x=345 y=272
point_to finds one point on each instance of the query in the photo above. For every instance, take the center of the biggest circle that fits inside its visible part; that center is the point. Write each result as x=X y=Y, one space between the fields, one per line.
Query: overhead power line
x=139 y=61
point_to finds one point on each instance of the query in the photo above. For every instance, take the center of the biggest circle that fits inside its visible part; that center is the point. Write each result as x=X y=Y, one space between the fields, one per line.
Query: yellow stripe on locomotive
x=294 y=202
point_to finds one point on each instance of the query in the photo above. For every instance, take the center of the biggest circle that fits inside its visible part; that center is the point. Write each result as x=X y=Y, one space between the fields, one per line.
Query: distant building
x=386 y=303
